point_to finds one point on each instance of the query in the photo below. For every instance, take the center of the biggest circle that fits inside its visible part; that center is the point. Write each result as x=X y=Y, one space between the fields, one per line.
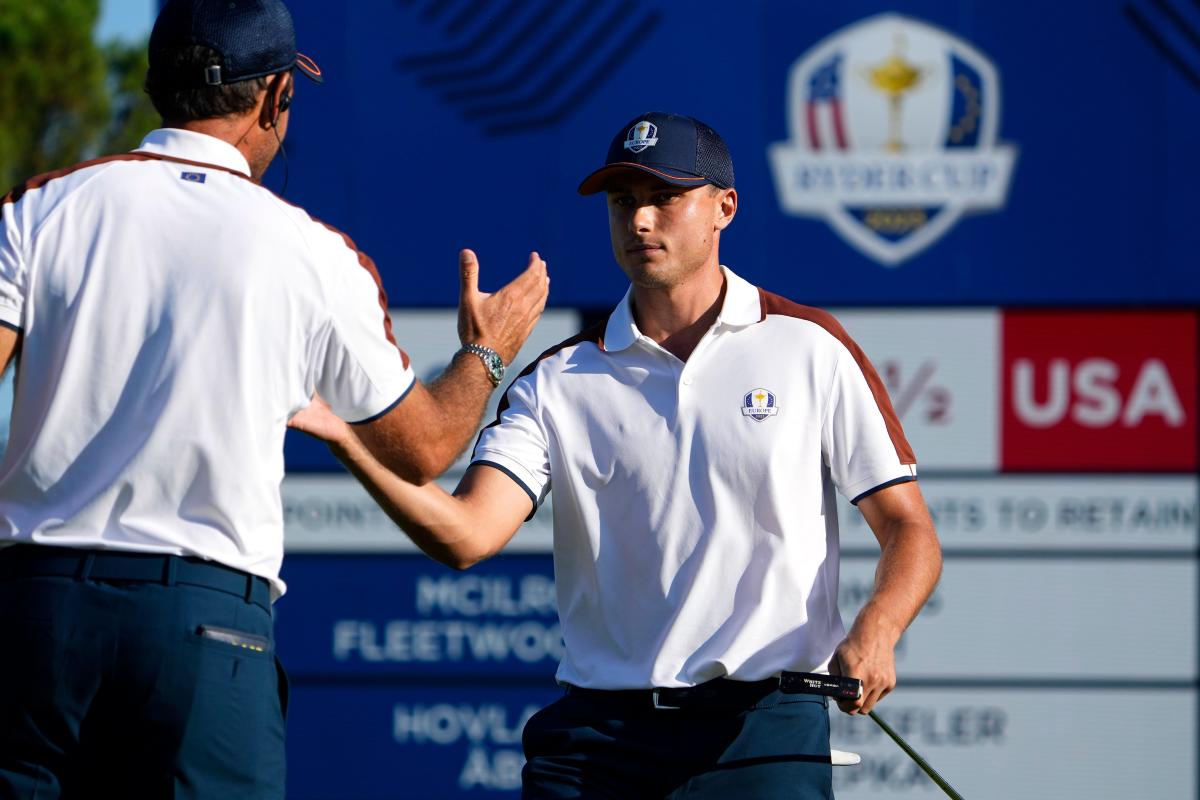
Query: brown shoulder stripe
x=593 y=334
x=366 y=263
x=38 y=181
x=774 y=304
x=364 y=260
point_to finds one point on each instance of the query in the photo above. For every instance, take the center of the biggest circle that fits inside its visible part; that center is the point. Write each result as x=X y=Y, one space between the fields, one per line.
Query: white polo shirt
x=695 y=525
x=175 y=315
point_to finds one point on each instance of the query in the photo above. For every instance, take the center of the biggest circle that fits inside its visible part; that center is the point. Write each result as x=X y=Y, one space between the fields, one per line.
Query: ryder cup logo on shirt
x=642 y=135
x=893 y=136
x=759 y=404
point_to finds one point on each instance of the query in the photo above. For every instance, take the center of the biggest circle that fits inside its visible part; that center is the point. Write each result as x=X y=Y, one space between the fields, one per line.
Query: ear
x=726 y=208
x=278 y=98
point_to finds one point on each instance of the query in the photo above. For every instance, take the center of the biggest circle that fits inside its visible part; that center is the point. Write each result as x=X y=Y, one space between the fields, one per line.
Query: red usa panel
x=1099 y=390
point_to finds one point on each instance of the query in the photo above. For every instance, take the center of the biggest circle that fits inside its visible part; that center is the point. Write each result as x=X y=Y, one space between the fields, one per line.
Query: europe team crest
x=893 y=128
x=642 y=135
x=758 y=404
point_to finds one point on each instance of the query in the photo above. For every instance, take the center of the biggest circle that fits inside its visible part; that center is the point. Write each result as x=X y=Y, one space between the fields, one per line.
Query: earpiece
x=285 y=102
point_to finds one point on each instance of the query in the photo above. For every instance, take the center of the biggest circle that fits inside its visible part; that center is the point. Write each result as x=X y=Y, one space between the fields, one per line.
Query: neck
x=238 y=131
x=677 y=317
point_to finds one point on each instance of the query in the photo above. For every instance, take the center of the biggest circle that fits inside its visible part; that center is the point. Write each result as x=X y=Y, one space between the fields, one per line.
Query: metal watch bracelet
x=492 y=363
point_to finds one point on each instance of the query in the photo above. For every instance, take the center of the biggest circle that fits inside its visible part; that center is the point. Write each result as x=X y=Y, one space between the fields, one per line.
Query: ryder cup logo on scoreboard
x=893 y=136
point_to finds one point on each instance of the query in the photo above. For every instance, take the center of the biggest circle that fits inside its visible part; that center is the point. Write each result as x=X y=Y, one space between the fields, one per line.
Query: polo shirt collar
x=742 y=306
x=193 y=146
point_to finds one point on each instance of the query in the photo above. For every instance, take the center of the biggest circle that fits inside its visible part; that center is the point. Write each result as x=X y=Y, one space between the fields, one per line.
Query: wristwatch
x=491 y=361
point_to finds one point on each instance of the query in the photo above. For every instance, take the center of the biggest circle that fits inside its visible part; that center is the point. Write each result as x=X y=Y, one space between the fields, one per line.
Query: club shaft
x=915 y=756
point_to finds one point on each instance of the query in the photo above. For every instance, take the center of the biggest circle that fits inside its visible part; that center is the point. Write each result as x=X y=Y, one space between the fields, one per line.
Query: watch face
x=491 y=361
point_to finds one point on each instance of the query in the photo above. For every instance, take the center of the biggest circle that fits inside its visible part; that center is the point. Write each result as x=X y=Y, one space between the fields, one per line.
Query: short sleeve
x=516 y=442
x=360 y=371
x=864 y=445
x=13 y=278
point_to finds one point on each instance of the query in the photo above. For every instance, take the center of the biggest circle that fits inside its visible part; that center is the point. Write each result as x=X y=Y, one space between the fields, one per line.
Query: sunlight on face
x=662 y=234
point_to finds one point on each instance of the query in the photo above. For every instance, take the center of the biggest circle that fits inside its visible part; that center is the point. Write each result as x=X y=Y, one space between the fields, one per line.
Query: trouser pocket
x=285 y=687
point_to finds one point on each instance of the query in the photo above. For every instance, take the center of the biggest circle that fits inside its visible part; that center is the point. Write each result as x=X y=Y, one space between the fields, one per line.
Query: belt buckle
x=658 y=704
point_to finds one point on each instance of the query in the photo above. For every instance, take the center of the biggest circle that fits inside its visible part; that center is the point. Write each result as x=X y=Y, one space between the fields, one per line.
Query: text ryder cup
x=812 y=182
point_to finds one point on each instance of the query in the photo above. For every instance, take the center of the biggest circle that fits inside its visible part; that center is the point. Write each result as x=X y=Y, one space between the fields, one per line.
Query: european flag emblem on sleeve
x=194 y=177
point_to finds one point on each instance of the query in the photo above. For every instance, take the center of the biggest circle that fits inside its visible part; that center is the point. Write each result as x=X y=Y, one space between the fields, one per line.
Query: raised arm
x=417 y=439
x=458 y=530
x=910 y=562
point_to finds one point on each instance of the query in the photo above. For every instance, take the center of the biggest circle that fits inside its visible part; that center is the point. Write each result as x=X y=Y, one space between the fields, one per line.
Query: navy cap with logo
x=253 y=37
x=679 y=150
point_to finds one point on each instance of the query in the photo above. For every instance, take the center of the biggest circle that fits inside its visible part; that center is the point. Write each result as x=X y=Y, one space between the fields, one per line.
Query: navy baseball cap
x=253 y=37
x=679 y=150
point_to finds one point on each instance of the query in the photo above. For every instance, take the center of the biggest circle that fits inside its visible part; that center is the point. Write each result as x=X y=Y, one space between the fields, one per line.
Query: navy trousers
x=131 y=687
x=618 y=746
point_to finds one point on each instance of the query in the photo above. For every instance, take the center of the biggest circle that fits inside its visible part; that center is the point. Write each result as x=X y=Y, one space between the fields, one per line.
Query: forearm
x=442 y=525
x=465 y=388
x=423 y=436
x=910 y=563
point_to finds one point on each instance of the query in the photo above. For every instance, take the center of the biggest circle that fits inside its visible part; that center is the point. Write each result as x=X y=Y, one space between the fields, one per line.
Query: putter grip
x=836 y=686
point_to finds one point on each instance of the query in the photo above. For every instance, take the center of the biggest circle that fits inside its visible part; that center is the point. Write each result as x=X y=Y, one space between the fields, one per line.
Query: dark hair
x=177 y=89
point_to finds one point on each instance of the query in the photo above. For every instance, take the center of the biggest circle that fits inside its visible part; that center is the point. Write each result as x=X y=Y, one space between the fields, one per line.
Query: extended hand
x=501 y=320
x=872 y=662
x=319 y=421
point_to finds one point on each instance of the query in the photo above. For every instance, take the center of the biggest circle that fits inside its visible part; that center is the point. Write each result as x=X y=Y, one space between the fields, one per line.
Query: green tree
x=63 y=98
x=131 y=114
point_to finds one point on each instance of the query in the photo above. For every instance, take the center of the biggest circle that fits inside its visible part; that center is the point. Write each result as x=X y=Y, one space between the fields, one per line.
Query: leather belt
x=34 y=560
x=717 y=693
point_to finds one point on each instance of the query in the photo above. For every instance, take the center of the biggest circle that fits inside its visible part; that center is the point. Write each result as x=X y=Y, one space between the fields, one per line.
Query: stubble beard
x=649 y=274
x=262 y=158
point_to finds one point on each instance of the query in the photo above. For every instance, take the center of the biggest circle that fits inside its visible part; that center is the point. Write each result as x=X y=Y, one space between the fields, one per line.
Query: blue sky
x=126 y=19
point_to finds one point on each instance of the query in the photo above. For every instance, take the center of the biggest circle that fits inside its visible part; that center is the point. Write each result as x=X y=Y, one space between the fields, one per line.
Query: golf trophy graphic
x=895 y=77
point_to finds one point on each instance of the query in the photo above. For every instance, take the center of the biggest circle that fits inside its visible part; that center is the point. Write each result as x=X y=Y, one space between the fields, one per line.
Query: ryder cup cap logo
x=893 y=136
x=642 y=135
x=759 y=404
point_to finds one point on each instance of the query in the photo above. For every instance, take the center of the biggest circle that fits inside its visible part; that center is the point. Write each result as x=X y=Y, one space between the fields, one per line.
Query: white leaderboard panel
x=1052 y=619
x=942 y=372
x=334 y=514
x=1018 y=744
x=1083 y=515
x=1151 y=514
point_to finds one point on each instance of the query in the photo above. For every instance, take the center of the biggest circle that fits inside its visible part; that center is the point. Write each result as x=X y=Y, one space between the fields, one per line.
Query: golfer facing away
x=171 y=315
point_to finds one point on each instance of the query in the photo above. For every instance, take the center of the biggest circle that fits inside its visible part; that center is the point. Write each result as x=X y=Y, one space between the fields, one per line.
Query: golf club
x=843 y=688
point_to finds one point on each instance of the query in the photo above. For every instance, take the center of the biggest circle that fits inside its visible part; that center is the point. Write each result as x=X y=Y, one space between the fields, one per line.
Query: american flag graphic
x=824 y=109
